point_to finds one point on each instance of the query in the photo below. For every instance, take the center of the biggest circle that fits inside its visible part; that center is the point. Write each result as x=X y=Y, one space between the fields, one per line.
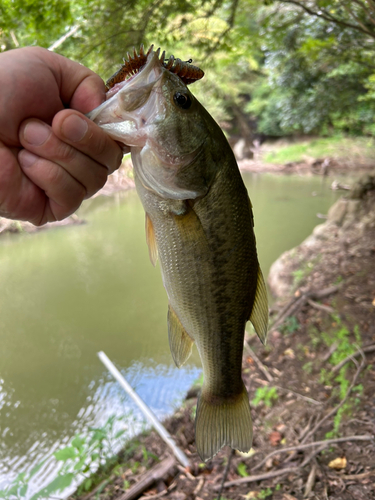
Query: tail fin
x=224 y=423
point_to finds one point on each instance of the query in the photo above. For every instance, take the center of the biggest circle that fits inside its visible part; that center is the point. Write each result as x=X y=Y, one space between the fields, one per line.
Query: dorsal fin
x=151 y=241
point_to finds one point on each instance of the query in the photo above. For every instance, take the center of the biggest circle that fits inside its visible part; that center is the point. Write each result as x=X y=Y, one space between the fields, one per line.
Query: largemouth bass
x=199 y=222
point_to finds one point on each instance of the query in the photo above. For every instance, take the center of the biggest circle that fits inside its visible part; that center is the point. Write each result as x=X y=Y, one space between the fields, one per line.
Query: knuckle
x=101 y=145
x=65 y=153
x=53 y=173
x=107 y=152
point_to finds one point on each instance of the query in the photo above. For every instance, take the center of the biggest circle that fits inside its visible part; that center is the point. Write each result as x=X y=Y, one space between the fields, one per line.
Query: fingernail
x=26 y=158
x=36 y=133
x=74 y=128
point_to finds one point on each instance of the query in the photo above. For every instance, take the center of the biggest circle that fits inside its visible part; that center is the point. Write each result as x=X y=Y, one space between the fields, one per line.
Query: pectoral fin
x=259 y=313
x=180 y=342
x=151 y=241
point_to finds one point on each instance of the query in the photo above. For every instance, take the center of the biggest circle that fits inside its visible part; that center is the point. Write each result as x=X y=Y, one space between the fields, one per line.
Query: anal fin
x=180 y=342
x=151 y=241
x=259 y=313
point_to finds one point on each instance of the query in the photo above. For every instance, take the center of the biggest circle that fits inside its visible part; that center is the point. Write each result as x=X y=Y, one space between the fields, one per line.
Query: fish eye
x=182 y=100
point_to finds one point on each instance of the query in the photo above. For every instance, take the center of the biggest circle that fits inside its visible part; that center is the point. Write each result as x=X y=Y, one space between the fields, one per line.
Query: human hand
x=51 y=158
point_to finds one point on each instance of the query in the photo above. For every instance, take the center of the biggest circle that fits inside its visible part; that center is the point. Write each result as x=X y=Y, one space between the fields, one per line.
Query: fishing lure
x=184 y=69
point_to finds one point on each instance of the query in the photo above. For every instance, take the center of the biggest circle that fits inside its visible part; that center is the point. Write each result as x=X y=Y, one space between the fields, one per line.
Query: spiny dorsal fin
x=259 y=313
x=180 y=342
x=151 y=241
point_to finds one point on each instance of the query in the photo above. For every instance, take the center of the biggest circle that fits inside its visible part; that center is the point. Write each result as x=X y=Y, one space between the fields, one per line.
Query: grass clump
x=266 y=395
x=345 y=347
x=349 y=148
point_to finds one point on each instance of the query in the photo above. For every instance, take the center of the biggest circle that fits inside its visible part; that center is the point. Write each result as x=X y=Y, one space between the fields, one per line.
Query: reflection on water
x=68 y=293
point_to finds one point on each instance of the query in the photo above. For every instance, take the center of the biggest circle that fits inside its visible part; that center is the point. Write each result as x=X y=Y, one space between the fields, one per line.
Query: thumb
x=80 y=88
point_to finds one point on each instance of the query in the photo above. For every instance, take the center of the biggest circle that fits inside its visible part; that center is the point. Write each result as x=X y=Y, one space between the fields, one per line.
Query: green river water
x=70 y=292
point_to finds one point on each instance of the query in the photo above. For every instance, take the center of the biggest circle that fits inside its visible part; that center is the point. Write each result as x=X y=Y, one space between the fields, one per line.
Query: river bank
x=313 y=382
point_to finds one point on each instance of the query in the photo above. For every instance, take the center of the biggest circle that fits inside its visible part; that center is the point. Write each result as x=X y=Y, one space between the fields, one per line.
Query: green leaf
x=80 y=464
x=36 y=469
x=87 y=484
x=78 y=442
x=242 y=470
x=65 y=454
x=120 y=433
x=58 y=484
x=23 y=490
x=13 y=490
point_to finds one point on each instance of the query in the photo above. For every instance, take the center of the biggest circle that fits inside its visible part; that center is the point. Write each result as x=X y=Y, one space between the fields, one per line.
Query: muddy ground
x=325 y=318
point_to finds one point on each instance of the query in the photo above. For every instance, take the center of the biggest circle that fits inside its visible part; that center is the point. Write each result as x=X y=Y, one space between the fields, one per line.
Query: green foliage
x=242 y=469
x=308 y=367
x=263 y=494
x=33 y=22
x=266 y=395
x=300 y=274
x=345 y=346
x=270 y=62
x=290 y=325
x=79 y=459
x=315 y=75
x=19 y=486
x=337 y=146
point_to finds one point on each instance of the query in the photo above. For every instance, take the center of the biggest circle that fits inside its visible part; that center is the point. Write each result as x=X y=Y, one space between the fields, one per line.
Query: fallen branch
x=298 y=302
x=330 y=351
x=320 y=307
x=286 y=389
x=300 y=447
x=148 y=478
x=310 y=481
x=298 y=395
x=312 y=455
x=366 y=349
x=225 y=474
x=358 y=477
x=261 y=366
x=287 y=311
x=199 y=486
x=260 y=477
x=170 y=488
x=270 y=475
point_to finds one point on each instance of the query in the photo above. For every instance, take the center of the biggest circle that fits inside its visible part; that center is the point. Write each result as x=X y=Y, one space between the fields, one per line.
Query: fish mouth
x=133 y=104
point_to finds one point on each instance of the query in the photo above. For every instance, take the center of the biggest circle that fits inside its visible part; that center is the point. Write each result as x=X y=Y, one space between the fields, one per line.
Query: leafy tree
x=290 y=65
x=32 y=22
x=358 y=15
x=318 y=79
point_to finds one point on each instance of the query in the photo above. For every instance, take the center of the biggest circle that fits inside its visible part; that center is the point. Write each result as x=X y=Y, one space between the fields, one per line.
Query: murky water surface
x=70 y=292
